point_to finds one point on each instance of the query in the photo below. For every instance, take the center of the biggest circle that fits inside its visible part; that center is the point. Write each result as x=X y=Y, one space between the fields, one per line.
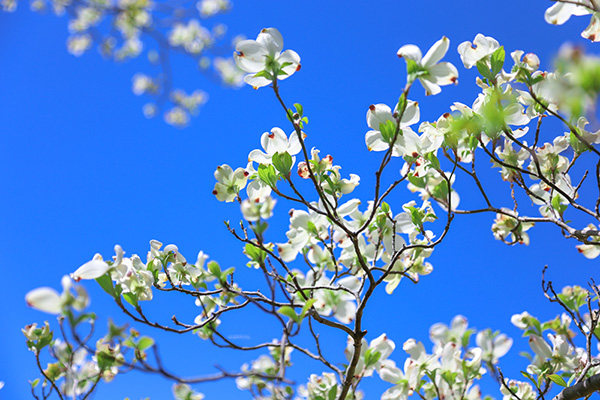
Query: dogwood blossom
x=428 y=70
x=229 y=182
x=264 y=60
x=481 y=49
x=275 y=141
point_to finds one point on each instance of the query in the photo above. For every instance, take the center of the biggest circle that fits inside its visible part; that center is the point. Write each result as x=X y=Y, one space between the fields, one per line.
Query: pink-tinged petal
x=259 y=157
x=378 y=114
x=436 y=52
x=592 y=32
x=443 y=74
x=250 y=56
x=256 y=81
x=44 y=299
x=275 y=141
x=90 y=270
x=289 y=56
x=271 y=39
x=223 y=174
x=411 y=52
x=411 y=114
x=375 y=142
x=431 y=88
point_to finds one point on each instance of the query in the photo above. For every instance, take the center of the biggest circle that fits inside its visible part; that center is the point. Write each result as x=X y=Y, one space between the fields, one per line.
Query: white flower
x=275 y=141
x=431 y=73
x=229 y=182
x=264 y=54
x=481 y=48
x=253 y=211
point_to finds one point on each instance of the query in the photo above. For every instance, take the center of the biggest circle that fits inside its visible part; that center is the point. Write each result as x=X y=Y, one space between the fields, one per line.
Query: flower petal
x=90 y=270
x=271 y=39
x=411 y=52
x=250 y=56
x=436 y=52
x=44 y=299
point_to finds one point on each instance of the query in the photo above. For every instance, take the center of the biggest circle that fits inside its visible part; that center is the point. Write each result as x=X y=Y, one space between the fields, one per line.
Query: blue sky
x=82 y=170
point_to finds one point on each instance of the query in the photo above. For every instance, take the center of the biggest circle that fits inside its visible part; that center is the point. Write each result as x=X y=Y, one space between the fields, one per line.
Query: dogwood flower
x=481 y=49
x=263 y=60
x=428 y=70
x=229 y=182
x=275 y=141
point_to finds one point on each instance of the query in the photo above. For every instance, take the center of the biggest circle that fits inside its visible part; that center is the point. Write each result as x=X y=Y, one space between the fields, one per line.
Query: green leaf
x=388 y=130
x=558 y=380
x=484 y=70
x=299 y=109
x=268 y=174
x=283 y=162
x=214 y=268
x=431 y=157
x=419 y=182
x=227 y=272
x=306 y=307
x=401 y=104
x=312 y=229
x=106 y=284
x=498 y=60
x=264 y=74
x=289 y=312
x=34 y=383
x=131 y=298
x=144 y=343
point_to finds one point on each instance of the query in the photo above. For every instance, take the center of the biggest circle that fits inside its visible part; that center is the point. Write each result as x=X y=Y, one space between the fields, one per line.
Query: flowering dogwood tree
x=340 y=251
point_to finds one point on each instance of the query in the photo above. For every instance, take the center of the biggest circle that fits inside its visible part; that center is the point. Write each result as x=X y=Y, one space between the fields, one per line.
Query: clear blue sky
x=82 y=169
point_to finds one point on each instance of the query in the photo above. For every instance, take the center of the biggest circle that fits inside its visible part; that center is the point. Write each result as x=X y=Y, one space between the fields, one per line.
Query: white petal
x=411 y=114
x=44 y=299
x=250 y=56
x=378 y=114
x=411 y=52
x=430 y=87
x=375 y=141
x=592 y=32
x=259 y=157
x=436 y=52
x=443 y=74
x=275 y=141
x=289 y=56
x=223 y=174
x=90 y=270
x=271 y=39
x=256 y=81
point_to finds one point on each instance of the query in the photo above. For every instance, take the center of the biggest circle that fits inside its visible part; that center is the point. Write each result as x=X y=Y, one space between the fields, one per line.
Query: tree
x=394 y=244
